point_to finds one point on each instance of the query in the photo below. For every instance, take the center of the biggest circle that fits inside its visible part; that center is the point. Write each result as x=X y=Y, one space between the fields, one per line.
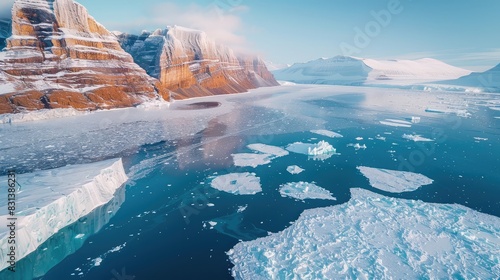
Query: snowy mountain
x=488 y=80
x=191 y=64
x=346 y=70
x=58 y=56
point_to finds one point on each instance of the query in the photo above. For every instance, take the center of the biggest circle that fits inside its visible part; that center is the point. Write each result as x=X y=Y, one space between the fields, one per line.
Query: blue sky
x=462 y=33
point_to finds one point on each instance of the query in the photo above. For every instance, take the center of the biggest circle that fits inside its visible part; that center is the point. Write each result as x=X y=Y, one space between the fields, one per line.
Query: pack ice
x=393 y=180
x=237 y=183
x=376 y=237
x=50 y=200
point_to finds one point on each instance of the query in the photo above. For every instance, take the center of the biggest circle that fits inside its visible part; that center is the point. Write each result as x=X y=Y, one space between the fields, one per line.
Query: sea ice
x=480 y=139
x=237 y=183
x=394 y=181
x=327 y=133
x=322 y=150
x=357 y=146
x=416 y=138
x=376 y=237
x=304 y=190
x=50 y=200
x=252 y=160
x=268 y=149
x=395 y=123
x=294 y=169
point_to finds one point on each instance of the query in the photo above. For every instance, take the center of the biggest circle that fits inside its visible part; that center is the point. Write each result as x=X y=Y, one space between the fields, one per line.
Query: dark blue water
x=162 y=224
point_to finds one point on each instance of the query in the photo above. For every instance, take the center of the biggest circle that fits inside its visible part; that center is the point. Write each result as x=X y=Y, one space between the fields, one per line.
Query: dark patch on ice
x=198 y=106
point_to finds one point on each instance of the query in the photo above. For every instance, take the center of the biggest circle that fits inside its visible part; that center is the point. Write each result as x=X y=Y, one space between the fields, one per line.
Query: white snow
x=237 y=183
x=294 y=169
x=345 y=70
x=376 y=237
x=394 y=181
x=327 y=133
x=43 y=114
x=305 y=190
x=53 y=199
x=416 y=138
x=268 y=149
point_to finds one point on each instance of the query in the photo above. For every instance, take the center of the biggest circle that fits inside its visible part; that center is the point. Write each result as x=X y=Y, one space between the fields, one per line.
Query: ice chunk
x=53 y=199
x=304 y=190
x=376 y=237
x=322 y=150
x=237 y=183
x=97 y=261
x=480 y=139
x=268 y=149
x=416 y=138
x=252 y=160
x=394 y=181
x=294 y=169
x=357 y=146
x=359 y=138
x=327 y=133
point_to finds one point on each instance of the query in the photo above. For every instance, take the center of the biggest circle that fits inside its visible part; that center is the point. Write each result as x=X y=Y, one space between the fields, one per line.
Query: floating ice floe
x=381 y=138
x=458 y=112
x=294 y=169
x=252 y=160
x=416 y=138
x=268 y=149
x=357 y=146
x=396 y=123
x=394 y=181
x=414 y=119
x=359 y=138
x=266 y=153
x=237 y=183
x=376 y=237
x=53 y=199
x=327 y=133
x=480 y=139
x=322 y=150
x=304 y=190
x=495 y=108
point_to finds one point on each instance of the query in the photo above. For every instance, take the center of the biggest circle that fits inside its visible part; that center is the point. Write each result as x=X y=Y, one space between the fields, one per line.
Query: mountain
x=191 y=64
x=58 y=56
x=346 y=70
x=489 y=80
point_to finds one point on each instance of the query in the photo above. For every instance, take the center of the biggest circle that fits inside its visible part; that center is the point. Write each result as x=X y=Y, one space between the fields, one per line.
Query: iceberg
x=394 y=181
x=327 y=133
x=294 y=169
x=237 y=183
x=305 y=190
x=50 y=200
x=322 y=150
x=376 y=237
x=416 y=138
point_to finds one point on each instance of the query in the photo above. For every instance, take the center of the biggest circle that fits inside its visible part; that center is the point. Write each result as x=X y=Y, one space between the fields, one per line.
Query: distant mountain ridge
x=189 y=63
x=346 y=70
x=488 y=80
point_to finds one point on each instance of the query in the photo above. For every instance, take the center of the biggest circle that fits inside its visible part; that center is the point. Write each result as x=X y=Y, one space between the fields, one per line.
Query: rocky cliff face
x=189 y=63
x=58 y=56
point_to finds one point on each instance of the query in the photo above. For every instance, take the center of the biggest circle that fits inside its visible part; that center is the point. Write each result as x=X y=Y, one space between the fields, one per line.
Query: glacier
x=304 y=190
x=376 y=237
x=394 y=181
x=237 y=183
x=53 y=199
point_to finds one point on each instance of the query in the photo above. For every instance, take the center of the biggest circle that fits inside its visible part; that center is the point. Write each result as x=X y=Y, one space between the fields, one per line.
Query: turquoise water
x=162 y=225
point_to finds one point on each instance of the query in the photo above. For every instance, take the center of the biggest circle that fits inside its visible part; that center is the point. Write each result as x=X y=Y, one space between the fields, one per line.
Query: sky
x=459 y=32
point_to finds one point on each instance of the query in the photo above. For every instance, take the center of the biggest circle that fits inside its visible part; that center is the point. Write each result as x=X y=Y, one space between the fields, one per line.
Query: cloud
x=222 y=24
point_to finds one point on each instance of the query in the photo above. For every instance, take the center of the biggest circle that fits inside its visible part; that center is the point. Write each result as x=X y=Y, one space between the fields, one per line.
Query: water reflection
x=65 y=242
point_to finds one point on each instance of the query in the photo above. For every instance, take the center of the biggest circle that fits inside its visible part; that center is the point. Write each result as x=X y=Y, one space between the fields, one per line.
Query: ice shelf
x=50 y=200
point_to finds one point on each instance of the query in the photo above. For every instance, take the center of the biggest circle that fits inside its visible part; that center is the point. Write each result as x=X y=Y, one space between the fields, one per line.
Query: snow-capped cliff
x=53 y=199
x=191 y=64
x=488 y=80
x=345 y=70
x=58 y=56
